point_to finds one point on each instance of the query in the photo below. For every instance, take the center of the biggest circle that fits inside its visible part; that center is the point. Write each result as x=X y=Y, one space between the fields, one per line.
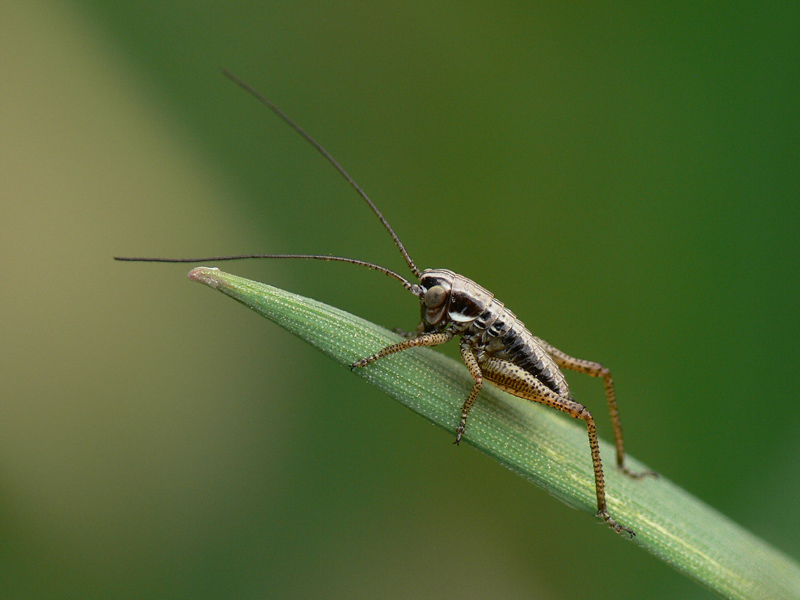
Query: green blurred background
x=624 y=176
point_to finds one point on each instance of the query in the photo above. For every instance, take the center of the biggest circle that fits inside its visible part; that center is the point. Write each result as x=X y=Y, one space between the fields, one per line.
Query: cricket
x=495 y=345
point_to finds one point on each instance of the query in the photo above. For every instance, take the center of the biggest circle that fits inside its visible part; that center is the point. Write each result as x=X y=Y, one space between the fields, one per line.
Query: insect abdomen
x=500 y=334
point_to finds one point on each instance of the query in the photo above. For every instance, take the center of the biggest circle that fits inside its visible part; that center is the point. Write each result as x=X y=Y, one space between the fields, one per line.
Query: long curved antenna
x=413 y=288
x=246 y=87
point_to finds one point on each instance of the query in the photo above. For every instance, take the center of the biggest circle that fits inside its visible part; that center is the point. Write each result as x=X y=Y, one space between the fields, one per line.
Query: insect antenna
x=250 y=90
x=413 y=288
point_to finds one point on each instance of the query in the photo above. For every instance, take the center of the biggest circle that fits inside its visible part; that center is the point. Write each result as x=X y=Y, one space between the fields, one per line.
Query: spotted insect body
x=487 y=326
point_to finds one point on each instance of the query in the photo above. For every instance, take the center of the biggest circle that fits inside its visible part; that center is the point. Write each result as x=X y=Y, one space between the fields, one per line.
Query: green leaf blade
x=539 y=443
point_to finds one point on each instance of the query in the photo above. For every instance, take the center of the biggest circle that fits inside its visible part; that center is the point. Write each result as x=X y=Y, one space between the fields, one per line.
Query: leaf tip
x=206 y=275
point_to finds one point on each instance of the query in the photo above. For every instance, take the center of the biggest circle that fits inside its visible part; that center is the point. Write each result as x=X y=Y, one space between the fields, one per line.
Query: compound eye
x=435 y=296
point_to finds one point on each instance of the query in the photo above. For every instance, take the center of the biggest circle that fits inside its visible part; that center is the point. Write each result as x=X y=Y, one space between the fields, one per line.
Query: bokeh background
x=624 y=176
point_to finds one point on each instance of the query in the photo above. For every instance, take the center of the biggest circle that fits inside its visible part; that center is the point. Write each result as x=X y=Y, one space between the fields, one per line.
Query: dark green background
x=624 y=176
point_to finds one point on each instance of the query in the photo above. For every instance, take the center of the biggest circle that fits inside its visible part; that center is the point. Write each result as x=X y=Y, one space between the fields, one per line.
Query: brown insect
x=495 y=345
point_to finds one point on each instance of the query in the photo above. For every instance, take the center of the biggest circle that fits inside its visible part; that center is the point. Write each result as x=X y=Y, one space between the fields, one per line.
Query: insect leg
x=425 y=339
x=594 y=369
x=522 y=384
x=408 y=334
x=477 y=375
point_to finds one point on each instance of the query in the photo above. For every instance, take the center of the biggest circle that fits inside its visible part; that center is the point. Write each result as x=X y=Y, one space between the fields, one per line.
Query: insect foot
x=359 y=364
x=614 y=525
x=405 y=334
x=638 y=475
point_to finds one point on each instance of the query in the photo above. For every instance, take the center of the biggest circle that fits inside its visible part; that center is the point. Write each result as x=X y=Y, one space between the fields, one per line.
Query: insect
x=495 y=345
